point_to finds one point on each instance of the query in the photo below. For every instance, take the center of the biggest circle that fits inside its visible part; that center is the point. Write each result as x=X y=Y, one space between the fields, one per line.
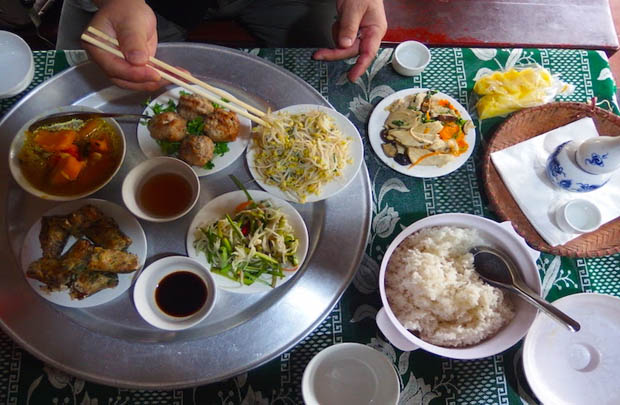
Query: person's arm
x=359 y=31
x=134 y=25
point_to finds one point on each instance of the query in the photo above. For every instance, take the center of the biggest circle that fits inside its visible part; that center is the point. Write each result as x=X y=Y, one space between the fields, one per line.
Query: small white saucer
x=149 y=279
x=350 y=373
x=16 y=64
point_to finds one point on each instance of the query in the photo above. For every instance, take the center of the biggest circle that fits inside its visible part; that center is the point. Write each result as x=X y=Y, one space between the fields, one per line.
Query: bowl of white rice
x=433 y=298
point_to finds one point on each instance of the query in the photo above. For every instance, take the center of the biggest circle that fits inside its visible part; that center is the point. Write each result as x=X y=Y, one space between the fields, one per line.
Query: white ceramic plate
x=225 y=204
x=144 y=292
x=356 y=152
x=31 y=251
x=375 y=125
x=350 y=373
x=151 y=149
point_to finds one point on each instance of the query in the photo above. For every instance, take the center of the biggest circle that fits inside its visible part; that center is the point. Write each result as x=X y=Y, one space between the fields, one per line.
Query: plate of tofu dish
x=83 y=253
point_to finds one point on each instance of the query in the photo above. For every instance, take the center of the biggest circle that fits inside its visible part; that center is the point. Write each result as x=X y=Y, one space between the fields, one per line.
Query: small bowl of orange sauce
x=175 y=293
x=161 y=189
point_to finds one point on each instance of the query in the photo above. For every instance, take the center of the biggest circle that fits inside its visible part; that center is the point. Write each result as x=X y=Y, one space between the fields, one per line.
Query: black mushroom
x=389 y=149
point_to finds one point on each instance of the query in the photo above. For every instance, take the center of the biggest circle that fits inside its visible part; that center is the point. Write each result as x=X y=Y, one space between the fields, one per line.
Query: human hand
x=359 y=31
x=134 y=25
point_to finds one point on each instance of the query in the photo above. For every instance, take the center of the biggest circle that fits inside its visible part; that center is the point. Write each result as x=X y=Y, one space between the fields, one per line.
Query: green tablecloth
x=397 y=202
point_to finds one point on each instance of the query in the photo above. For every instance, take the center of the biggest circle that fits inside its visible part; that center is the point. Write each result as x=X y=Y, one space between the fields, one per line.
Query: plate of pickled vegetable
x=251 y=241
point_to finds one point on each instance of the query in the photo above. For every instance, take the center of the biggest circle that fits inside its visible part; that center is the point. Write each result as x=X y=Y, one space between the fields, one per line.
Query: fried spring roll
x=114 y=261
x=53 y=236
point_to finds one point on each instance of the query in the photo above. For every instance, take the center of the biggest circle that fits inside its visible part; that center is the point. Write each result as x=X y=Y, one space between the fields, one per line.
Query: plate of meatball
x=203 y=134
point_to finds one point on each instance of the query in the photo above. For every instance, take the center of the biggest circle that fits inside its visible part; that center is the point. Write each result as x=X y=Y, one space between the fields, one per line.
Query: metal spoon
x=80 y=115
x=498 y=270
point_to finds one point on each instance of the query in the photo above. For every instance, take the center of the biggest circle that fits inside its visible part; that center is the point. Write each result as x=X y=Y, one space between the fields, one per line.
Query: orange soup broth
x=37 y=164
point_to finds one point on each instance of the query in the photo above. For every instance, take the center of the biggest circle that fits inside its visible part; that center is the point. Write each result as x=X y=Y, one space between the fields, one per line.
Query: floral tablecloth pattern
x=397 y=201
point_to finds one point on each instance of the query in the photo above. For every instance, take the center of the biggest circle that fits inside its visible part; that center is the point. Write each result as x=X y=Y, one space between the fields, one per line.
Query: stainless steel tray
x=111 y=344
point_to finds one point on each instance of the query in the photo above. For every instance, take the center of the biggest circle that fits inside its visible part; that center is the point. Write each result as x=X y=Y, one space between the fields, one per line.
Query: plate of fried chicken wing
x=83 y=253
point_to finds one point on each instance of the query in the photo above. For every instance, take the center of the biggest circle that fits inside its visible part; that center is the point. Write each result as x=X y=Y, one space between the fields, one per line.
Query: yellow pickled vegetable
x=505 y=92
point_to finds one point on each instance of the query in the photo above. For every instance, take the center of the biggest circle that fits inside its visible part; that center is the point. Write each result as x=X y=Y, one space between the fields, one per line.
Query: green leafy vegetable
x=221 y=148
x=398 y=123
x=184 y=93
x=169 y=148
x=195 y=126
x=209 y=165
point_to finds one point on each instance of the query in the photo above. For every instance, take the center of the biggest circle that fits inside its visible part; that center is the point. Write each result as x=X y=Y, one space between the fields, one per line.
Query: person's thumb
x=133 y=44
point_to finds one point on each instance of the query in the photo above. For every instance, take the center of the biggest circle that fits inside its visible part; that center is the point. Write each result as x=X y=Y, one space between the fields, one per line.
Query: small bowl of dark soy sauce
x=175 y=293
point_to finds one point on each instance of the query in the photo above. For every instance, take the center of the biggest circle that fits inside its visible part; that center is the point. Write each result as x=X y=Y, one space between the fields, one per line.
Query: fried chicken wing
x=50 y=272
x=53 y=236
x=105 y=233
x=113 y=261
x=87 y=283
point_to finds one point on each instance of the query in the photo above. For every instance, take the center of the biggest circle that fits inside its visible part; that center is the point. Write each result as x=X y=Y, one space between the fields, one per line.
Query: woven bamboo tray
x=527 y=124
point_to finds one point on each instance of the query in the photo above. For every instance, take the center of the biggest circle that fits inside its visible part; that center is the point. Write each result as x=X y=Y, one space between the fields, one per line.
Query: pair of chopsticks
x=115 y=51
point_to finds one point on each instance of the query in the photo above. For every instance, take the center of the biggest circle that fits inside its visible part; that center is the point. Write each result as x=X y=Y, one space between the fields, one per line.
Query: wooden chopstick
x=178 y=82
x=183 y=74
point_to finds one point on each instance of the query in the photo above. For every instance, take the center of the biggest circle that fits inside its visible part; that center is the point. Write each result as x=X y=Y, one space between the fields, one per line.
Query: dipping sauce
x=181 y=294
x=165 y=195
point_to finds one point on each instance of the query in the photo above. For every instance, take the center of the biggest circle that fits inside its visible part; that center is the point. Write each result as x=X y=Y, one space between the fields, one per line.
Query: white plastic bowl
x=18 y=142
x=411 y=58
x=499 y=235
x=150 y=167
x=350 y=373
x=16 y=64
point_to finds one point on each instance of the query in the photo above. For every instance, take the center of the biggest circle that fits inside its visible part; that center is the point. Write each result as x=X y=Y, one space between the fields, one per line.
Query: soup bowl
x=501 y=236
x=92 y=182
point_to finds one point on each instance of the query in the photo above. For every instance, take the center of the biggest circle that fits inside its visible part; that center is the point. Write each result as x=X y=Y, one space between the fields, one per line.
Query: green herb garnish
x=195 y=126
x=184 y=93
x=169 y=148
x=208 y=166
x=398 y=123
x=221 y=148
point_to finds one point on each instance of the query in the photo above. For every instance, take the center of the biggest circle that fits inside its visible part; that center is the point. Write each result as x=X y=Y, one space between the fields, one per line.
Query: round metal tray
x=111 y=344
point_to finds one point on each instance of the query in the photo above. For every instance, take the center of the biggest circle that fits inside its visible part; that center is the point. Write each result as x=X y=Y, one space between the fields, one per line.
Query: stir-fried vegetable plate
x=248 y=245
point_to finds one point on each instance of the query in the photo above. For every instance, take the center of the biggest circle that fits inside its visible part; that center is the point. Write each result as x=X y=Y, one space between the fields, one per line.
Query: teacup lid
x=576 y=367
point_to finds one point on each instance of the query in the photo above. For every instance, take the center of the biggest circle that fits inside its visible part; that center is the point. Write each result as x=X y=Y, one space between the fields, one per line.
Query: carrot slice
x=242 y=206
x=53 y=141
x=449 y=130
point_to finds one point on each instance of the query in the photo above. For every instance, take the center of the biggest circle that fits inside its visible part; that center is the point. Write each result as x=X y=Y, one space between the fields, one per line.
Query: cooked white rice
x=435 y=292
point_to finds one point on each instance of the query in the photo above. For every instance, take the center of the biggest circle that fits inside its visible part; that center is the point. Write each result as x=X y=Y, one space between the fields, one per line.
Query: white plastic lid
x=16 y=64
x=563 y=367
